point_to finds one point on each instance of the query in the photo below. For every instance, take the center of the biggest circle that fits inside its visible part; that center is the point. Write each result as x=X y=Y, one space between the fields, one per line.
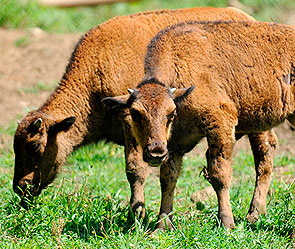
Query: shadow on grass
x=112 y=221
x=281 y=215
x=283 y=230
x=73 y=213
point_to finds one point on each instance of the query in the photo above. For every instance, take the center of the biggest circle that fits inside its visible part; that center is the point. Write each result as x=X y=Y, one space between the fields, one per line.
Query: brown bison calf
x=107 y=61
x=243 y=75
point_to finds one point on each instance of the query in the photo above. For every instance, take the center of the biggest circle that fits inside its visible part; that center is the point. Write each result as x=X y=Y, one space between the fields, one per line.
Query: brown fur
x=243 y=75
x=106 y=62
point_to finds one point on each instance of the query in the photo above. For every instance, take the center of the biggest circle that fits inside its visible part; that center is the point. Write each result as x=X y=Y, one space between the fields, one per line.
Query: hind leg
x=263 y=145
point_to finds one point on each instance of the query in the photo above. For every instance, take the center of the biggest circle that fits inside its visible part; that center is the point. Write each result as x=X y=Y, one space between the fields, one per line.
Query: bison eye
x=170 y=117
x=136 y=115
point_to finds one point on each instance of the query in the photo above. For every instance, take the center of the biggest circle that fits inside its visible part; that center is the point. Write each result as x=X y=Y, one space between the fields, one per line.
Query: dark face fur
x=152 y=108
x=152 y=113
x=36 y=152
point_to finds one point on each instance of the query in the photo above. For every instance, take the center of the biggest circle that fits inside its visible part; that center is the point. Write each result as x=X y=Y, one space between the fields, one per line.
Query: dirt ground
x=32 y=58
x=29 y=58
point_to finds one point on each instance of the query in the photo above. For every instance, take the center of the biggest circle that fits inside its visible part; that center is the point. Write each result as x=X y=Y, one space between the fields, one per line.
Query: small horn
x=38 y=123
x=133 y=92
x=172 y=90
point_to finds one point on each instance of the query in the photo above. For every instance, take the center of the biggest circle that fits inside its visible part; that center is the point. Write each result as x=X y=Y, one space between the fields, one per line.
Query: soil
x=33 y=61
x=29 y=58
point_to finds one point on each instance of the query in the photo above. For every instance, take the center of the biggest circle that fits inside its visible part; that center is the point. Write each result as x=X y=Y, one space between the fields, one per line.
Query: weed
x=38 y=87
x=22 y=42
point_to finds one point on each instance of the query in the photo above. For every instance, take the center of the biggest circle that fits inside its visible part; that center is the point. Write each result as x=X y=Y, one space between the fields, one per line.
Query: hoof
x=164 y=223
x=254 y=212
x=253 y=217
x=138 y=211
x=228 y=222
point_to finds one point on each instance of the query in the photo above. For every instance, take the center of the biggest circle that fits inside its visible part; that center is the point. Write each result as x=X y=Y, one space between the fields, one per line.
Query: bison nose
x=155 y=153
x=25 y=182
x=22 y=186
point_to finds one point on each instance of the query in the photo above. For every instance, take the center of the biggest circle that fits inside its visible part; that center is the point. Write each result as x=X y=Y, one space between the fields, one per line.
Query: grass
x=87 y=207
x=29 y=14
x=38 y=87
x=22 y=42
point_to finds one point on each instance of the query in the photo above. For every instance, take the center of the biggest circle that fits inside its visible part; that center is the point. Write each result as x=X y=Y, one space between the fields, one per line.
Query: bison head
x=36 y=152
x=152 y=107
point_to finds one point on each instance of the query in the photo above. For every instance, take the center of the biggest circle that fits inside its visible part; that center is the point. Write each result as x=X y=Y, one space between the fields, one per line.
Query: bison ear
x=118 y=102
x=180 y=94
x=36 y=125
x=63 y=125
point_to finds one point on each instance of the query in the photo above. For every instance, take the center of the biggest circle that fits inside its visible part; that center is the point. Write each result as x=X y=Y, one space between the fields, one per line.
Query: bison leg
x=137 y=171
x=168 y=177
x=263 y=146
x=219 y=153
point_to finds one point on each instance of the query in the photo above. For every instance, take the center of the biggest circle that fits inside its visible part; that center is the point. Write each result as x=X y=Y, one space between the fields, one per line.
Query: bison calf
x=243 y=75
x=106 y=62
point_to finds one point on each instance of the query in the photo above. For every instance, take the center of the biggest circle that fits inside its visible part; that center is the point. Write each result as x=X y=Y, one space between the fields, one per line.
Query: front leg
x=137 y=171
x=263 y=145
x=169 y=173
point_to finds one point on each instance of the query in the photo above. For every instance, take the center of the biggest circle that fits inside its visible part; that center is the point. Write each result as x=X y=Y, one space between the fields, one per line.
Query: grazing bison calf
x=107 y=61
x=243 y=75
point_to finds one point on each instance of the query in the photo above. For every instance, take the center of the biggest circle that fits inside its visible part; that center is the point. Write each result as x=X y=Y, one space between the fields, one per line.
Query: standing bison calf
x=243 y=74
x=106 y=62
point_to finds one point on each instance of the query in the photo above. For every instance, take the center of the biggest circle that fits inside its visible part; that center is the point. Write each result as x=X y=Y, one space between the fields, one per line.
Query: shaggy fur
x=106 y=62
x=243 y=75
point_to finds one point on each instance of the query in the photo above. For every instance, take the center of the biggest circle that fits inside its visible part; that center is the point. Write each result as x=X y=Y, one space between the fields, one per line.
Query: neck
x=70 y=100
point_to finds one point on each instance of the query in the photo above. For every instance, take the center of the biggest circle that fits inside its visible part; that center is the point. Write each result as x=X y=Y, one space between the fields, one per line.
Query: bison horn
x=172 y=90
x=38 y=123
x=133 y=92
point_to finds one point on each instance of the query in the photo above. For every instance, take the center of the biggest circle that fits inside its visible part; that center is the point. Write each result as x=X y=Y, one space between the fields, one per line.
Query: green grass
x=9 y=129
x=28 y=14
x=38 y=87
x=87 y=207
x=22 y=42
